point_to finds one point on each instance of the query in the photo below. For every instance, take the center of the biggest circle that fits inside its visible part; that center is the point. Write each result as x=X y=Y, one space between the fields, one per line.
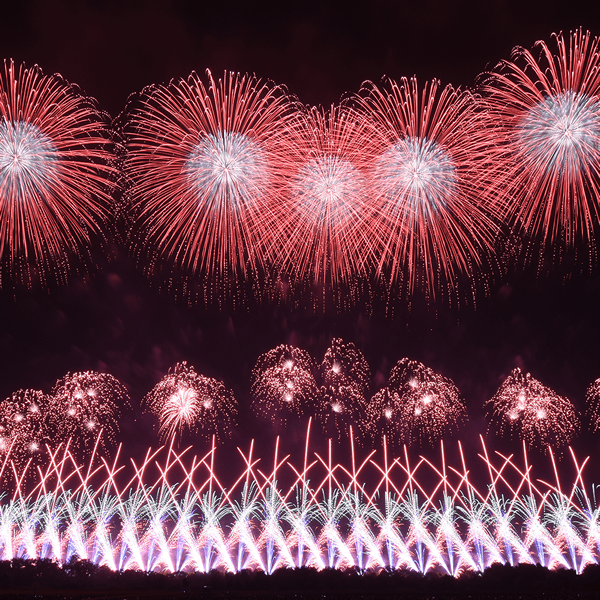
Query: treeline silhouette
x=29 y=578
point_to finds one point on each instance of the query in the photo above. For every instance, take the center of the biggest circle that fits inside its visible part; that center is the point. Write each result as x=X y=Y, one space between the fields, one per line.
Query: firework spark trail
x=204 y=176
x=155 y=524
x=183 y=399
x=549 y=115
x=417 y=406
x=55 y=174
x=437 y=214
x=538 y=415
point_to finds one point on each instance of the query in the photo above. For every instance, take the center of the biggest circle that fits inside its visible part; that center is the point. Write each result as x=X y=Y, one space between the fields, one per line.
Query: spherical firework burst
x=85 y=404
x=549 y=112
x=345 y=377
x=436 y=215
x=54 y=174
x=182 y=399
x=325 y=213
x=23 y=430
x=283 y=383
x=592 y=406
x=524 y=406
x=204 y=176
x=417 y=406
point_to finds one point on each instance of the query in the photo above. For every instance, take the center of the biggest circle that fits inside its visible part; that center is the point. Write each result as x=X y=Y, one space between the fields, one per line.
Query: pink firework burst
x=345 y=377
x=54 y=174
x=326 y=236
x=283 y=384
x=84 y=404
x=525 y=407
x=437 y=216
x=23 y=430
x=204 y=175
x=183 y=399
x=548 y=107
x=417 y=406
x=592 y=406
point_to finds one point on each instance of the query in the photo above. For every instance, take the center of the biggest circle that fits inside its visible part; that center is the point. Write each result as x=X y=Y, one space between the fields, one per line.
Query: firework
x=345 y=377
x=592 y=406
x=54 y=174
x=85 y=403
x=549 y=115
x=538 y=415
x=417 y=406
x=182 y=399
x=325 y=213
x=283 y=383
x=204 y=174
x=23 y=430
x=436 y=215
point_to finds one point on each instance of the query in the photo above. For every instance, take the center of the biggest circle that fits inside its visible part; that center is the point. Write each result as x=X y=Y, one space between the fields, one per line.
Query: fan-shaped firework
x=283 y=383
x=182 y=399
x=549 y=113
x=436 y=215
x=592 y=406
x=537 y=414
x=345 y=377
x=327 y=229
x=23 y=429
x=417 y=405
x=54 y=173
x=204 y=176
x=84 y=404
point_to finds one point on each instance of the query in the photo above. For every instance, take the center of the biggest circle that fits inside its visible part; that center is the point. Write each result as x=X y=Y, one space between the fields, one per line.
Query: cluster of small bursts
x=417 y=406
x=220 y=186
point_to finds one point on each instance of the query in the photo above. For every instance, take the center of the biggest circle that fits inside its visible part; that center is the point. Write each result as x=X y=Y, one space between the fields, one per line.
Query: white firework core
x=27 y=160
x=416 y=170
x=226 y=167
x=561 y=131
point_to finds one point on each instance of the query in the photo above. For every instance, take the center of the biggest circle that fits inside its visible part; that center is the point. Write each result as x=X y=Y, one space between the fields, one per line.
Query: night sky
x=112 y=320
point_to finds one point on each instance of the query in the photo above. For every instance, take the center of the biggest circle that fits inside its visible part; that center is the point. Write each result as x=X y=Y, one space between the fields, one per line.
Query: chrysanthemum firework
x=183 y=399
x=525 y=407
x=345 y=377
x=326 y=236
x=203 y=177
x=417 y=406
x=54 y=174
x=85 y=405
x=283 y=384
x=23 y=429
x=548 y=108
x=437 y=217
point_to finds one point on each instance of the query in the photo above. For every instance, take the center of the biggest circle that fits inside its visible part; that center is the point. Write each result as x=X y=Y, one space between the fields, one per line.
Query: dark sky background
x=114 y=321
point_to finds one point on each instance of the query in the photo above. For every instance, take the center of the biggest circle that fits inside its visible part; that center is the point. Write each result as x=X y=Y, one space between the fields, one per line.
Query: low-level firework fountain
x=173 y=512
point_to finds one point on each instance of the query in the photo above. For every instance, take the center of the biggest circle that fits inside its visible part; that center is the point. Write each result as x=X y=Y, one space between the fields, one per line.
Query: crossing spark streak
x=176 y=514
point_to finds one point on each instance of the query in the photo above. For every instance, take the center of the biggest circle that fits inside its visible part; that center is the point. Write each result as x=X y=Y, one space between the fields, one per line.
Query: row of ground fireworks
x=418 y=406
x=232 y=185
x=173 y=512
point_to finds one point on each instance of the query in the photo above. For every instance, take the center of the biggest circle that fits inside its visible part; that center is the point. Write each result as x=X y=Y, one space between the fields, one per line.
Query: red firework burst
x=436 y=215
x=283 y=383
x=182 y=399
x=204 y=175
x=548 y=109
x=23 y=430
x=345 y=377
x=54 y=174
x=417 y=406
x=84 y=404
x=326 y=236
x=592 y=406
x=524 y=406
